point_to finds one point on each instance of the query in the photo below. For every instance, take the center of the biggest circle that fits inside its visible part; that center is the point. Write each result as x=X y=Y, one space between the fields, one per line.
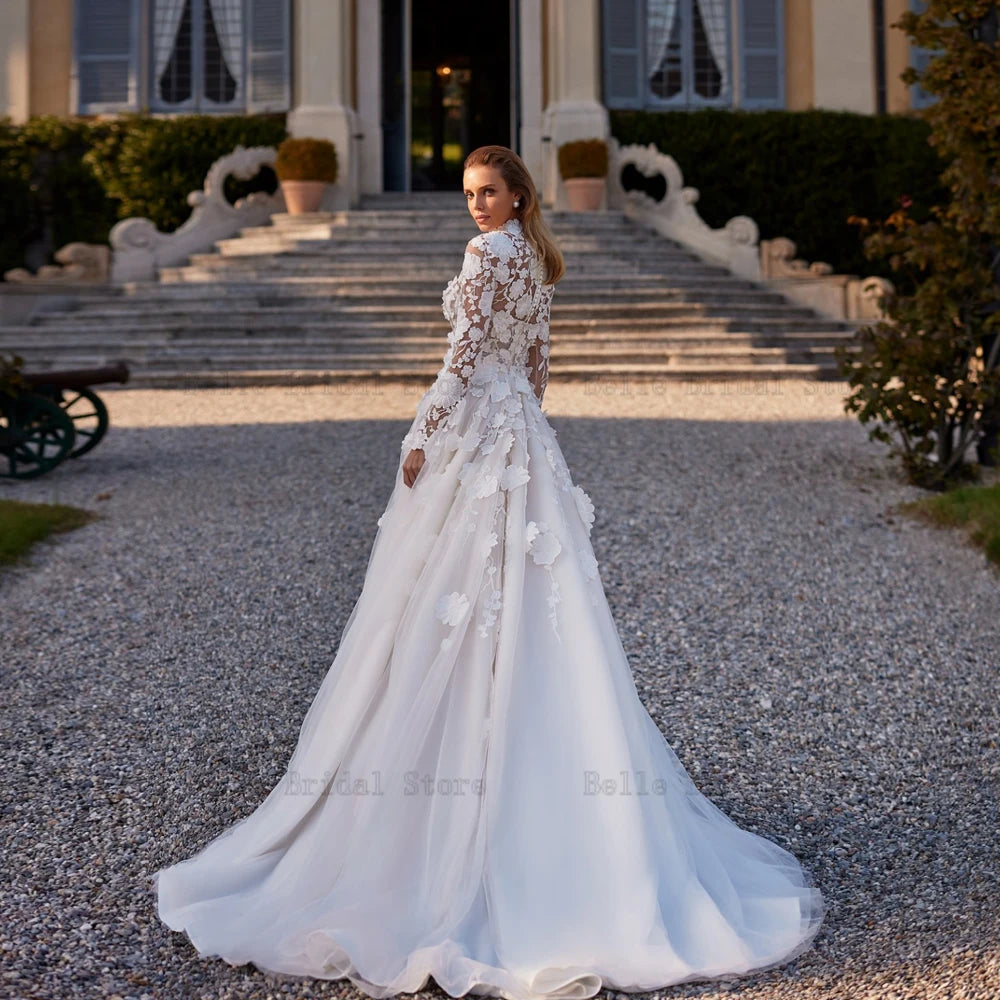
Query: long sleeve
x=538 y=351
x=477 y=285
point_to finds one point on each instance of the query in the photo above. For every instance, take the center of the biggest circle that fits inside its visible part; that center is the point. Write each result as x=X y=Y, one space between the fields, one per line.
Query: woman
x=477 y=793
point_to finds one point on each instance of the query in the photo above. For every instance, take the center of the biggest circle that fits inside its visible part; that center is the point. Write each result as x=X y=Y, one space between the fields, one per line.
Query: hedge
x=66 y=180
x=798 y=174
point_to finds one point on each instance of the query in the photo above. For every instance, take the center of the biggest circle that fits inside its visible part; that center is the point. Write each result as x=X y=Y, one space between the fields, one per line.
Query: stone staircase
x=357 y=294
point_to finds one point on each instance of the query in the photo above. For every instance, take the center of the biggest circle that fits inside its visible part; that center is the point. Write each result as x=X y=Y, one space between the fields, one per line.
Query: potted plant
x=583 y=164
x=304 y=167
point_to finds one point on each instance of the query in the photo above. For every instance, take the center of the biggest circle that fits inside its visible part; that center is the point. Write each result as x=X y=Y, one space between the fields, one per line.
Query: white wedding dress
x=478 y=794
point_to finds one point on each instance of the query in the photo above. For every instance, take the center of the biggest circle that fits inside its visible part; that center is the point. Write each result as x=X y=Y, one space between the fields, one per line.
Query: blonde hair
x=529 y=213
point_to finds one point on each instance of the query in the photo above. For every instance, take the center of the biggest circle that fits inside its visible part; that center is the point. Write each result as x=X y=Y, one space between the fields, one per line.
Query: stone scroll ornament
x=139 y=249
x=648 y=186
x=657 y=197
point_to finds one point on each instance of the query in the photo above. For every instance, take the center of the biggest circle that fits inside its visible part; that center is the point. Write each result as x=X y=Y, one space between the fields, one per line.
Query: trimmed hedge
x=798 y=174
x=72 y=179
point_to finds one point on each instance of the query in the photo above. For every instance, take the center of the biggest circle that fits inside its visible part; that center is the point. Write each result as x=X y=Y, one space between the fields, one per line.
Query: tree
x=928 y=373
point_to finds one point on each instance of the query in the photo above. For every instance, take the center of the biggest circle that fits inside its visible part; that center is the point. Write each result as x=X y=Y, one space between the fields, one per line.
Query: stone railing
x=139 y=249
x=648 y=186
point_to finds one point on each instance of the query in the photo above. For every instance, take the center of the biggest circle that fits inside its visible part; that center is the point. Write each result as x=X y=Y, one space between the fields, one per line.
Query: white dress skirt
x=478 y=795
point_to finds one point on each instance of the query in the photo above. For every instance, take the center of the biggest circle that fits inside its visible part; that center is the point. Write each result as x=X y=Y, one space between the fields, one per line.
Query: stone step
x=333 y=325
x=244 y=312
x=609 y=375
x=435 y=345
x=202 y=298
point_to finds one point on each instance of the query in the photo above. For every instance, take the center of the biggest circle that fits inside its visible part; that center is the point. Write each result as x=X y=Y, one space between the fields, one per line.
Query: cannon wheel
x=35 y=435
x=89 y=415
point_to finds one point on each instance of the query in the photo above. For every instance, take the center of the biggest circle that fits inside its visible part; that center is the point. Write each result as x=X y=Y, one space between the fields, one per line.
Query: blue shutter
x=762 y=54
x=919 y=58
x=106 y=56
x=623 y=38
x=268 y=55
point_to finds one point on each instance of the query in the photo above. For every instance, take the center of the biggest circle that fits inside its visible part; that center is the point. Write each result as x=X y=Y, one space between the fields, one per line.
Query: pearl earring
x=517 y=204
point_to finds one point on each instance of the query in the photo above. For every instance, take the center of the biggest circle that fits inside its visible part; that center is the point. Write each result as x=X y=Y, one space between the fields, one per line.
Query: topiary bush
x=307 y=159
x=583 y=158
x=800 y=174
x=67 y=180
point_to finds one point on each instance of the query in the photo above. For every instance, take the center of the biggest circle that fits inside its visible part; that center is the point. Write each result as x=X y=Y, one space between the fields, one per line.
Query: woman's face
x=490 y=201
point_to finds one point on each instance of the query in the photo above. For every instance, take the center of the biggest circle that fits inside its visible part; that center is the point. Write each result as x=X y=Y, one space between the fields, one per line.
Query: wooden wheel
x=89 y=416
x=35 y=435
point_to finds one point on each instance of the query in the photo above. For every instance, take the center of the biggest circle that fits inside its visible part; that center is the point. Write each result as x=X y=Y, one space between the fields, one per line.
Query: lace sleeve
x=538 y=351
x=477 y=284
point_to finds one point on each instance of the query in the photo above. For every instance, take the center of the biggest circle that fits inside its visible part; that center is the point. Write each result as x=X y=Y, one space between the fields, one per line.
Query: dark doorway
x=459 y=87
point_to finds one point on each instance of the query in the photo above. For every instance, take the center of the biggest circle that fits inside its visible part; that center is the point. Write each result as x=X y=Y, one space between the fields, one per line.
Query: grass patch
x=975 y=508
x=23 y=524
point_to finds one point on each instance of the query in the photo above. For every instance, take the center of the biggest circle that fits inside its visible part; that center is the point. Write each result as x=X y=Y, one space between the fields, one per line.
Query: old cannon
x=46 y=417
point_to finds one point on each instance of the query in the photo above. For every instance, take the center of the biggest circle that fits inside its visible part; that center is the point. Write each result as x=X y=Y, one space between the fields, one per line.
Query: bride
x=477 y=794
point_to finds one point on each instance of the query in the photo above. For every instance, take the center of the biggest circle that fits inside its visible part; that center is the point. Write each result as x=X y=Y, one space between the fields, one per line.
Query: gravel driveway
x=825 y=669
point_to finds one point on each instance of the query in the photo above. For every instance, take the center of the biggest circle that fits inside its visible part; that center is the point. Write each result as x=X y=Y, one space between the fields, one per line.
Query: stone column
x=323 y=34
x=369 y=78
x=573 y=64
x=531 y=68
x=843 y=55
x=14 y=48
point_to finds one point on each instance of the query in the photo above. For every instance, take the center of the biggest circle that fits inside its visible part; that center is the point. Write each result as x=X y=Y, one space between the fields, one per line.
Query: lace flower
x=542 y=543
x=585 y=506
x=451 y=608
x=484 y=485
x=514 y=476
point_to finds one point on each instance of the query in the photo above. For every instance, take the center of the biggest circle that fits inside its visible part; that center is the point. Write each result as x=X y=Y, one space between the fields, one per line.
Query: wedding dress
x=477 y=794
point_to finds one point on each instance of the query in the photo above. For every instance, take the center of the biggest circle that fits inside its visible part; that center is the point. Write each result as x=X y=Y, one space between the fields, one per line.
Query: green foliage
x=799 y=174
x=67 y=180
x=928 y=375
x=11 y=371
x=23 y=524
x=307 y=159
x=583 y=158
x=976 y=508
x=149 y=165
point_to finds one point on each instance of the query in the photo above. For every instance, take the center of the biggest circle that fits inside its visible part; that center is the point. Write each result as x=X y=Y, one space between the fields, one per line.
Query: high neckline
x=513 y=224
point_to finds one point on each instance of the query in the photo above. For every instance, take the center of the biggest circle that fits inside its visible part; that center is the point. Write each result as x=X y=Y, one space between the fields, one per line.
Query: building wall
x=51 y=56
x=829 y=63
x=798 y=55
x=14 y=59
x=843 y=55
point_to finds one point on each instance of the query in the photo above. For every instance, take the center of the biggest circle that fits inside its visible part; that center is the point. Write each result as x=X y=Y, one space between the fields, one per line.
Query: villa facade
x=405 y=88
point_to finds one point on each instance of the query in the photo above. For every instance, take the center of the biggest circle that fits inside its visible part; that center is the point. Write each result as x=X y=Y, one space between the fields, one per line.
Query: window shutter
x=762 y=47
x=919 y=58
x=623 y=40
x=106 y=56
x=268 y=55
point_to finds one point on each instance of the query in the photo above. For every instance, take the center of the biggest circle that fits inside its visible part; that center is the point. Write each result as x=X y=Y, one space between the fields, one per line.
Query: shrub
x=68 y=180
x=583 y=158
x=799 y=174
x=307 y=159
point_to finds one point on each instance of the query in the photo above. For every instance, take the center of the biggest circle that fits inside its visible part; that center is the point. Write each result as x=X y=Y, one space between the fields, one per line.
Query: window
x=198 y=56
x=919 y=58
x=684 y=53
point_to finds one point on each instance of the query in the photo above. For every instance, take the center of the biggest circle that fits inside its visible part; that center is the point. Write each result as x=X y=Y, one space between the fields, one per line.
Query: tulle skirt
x=477 y=794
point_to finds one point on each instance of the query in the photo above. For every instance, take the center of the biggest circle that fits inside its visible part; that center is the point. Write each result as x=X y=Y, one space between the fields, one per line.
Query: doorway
x=449 y=84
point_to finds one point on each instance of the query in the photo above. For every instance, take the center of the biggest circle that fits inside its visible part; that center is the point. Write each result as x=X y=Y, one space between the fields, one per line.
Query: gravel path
x=825 y=669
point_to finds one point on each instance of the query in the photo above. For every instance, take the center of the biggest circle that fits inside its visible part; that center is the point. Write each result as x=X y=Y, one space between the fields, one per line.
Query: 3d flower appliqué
x=585 y=506
x=542 y=543
x=451 y=608
x=484 y=485
x=514 y=476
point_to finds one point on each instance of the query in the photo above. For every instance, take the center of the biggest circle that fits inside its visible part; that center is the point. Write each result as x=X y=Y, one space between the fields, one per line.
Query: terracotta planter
x=584 y=193
x=302 y=196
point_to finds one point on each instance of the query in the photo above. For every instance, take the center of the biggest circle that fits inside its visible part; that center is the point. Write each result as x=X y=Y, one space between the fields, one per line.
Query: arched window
x=691 y=53
x=198 y=55
x=919 y=58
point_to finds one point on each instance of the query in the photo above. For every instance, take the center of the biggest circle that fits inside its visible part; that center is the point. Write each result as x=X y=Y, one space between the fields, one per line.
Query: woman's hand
x=412 y=464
